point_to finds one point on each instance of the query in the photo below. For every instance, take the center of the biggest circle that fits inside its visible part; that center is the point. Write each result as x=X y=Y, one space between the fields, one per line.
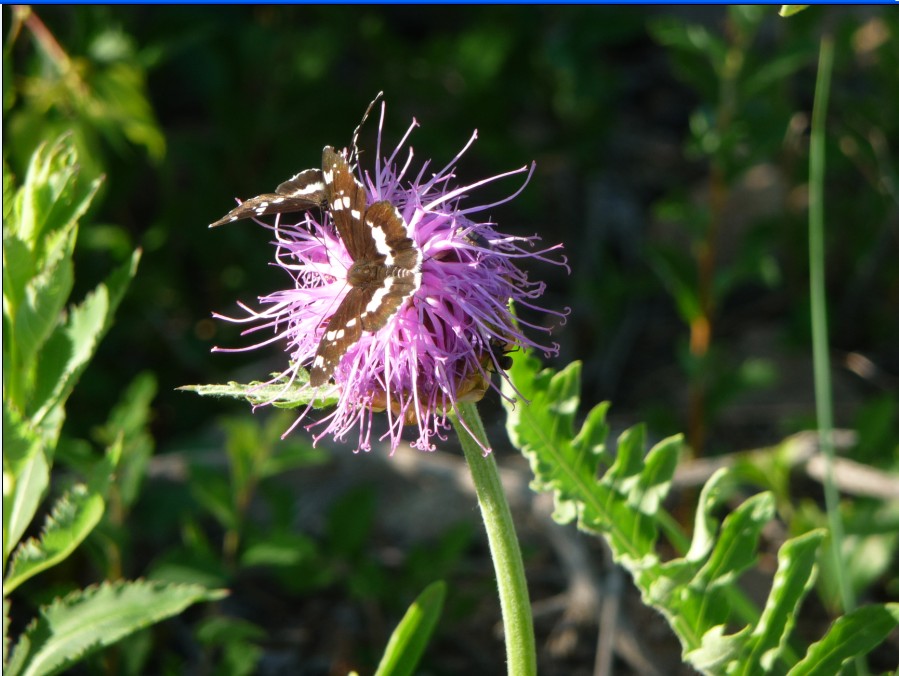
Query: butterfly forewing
x=301 y=192
x=346 y=197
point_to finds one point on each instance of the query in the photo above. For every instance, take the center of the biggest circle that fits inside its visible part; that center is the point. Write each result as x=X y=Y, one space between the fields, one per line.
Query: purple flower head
x=444 y=342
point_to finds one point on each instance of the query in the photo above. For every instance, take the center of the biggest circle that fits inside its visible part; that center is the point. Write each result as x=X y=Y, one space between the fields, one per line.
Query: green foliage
x=89 y=619
x=411 y=636
x=99 y=95
x=620 y=495
x=74 y=516
x=46 y=348
x=237 y=641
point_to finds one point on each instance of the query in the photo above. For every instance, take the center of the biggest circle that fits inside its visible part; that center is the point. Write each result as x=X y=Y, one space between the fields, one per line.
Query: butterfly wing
x=347 y=201
x=301 y=192
x=344 y=329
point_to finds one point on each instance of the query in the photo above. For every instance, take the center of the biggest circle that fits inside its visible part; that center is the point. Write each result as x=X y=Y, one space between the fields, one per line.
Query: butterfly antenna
x=354 y=151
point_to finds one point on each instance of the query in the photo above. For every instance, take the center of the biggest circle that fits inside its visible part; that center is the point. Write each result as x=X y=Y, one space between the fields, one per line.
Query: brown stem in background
x=44 y=37
x=701 y=328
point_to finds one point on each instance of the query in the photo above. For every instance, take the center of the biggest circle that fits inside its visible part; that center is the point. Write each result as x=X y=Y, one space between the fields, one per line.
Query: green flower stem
x=521 y=653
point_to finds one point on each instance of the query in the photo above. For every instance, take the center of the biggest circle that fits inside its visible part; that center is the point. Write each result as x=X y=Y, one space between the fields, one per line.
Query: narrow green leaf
x=735 y=549
x=26 y=474
x=278 y=550
x=411 y=636
x=213 y=491
x=850 y=636
x=90 y=619
x=793 y=580
x=73 y=517
x=127 y=426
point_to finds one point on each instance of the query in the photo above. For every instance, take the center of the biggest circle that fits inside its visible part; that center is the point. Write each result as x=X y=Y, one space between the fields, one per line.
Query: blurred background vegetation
x=672 y=152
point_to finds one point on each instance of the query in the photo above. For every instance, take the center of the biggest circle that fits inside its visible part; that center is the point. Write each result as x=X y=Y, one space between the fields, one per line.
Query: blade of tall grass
x=820 y=348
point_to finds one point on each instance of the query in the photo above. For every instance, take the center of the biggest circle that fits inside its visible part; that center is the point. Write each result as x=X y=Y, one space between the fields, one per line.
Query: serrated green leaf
x=852 y=635
x=73 y=517
x=278 y=393
x=72 y=345
x=543 y=430
x=68 y=351
x=26 y=474
x=411 y=636
x=86 y=621
x=792 y=581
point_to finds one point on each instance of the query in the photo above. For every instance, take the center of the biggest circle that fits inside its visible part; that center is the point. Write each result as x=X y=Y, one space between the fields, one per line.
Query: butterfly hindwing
x=344 y=328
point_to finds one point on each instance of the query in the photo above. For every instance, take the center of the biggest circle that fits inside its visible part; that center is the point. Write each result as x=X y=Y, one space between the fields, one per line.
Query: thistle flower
x=446 y=339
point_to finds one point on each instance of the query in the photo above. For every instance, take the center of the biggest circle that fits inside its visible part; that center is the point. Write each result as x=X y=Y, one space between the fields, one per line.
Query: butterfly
x=386 y=268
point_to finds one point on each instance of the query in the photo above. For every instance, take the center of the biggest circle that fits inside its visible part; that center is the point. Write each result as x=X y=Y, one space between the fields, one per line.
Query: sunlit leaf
x=88 y=620
x=411 y=636
x=26 y=474
x=850 y=636
x=790 y=10
x=793 y=580
x=73 y=517
x=277 y=393
x=70 y=348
